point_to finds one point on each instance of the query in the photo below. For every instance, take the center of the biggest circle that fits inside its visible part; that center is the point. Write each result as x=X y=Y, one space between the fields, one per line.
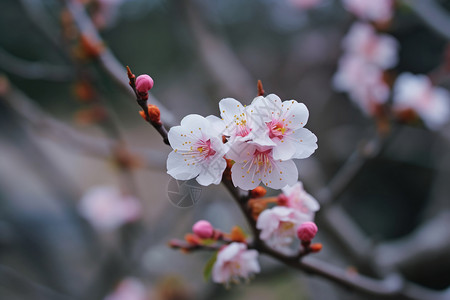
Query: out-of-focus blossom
x=296 y=197
x=279 y=225
x=371 y=10
x=197 y=151
x=106 y=208
x=233 y=262
x=255 y=164
x=378 y=49
x=305 y=4
x=203 y=229
x=307 y=231
x=129 y=289
x=416 y=92
x=362 y=81
x=285 y=121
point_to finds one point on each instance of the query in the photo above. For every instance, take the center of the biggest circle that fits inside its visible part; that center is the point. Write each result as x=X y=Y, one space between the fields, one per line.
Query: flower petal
x=181 y=167
x=304 y=141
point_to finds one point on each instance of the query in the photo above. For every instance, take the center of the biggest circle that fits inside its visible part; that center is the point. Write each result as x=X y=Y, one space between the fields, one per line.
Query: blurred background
x=70 y=126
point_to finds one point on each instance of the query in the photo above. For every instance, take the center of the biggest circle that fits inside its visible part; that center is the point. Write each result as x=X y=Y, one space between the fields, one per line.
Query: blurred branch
x=429 y=243
x=13 y=281
x=73 y=139
x=33 y=70
x=432 y=14
x=40 y=23
x=217 y=56
x=106 y=58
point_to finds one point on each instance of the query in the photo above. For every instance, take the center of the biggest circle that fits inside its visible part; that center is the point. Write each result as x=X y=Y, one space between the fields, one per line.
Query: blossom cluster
x=260 y=140
x=367 y=55
x=282 y=227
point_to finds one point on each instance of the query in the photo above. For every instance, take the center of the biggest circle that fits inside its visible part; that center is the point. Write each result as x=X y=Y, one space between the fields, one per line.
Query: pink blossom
x=255 y=164
x=285 y=122
x=144 y=83
x=416 y=92
x=371 y=10
x=106 y=208
x=234 y=262
x=129 y=289
x=307 y=231
x=279 y=225
x=299 y=199
x=197 y=151
x=203 y=229
x=362 y=81
x=378 y=49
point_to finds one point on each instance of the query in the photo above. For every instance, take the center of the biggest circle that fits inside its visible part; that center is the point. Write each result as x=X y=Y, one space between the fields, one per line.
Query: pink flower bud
x=203 y=229
x=307 y=231
x=144 y=83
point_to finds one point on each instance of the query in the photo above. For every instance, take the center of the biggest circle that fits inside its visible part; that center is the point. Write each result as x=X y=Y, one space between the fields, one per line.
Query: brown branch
x=152 y=118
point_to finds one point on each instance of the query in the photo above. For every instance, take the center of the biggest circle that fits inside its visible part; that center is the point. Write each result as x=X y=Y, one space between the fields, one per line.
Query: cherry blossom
x=129 y=289
x=255 y=164
x=240 y=124
x=416 y=92
x=233 y=262
x=371 y=10
x=198 y=151
x=279 y=225
x=106 y=208
x=285 y=121
x=362 y=81
x=378 y=49
x=296 y=197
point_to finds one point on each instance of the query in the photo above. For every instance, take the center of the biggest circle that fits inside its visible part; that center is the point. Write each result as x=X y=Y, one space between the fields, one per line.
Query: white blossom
x=371 y=10
x=233 y=262
x=198 y=151
x=298 y=199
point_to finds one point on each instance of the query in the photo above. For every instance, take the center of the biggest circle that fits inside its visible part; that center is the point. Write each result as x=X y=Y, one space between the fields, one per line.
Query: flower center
x=204 y=149
x=276 y=129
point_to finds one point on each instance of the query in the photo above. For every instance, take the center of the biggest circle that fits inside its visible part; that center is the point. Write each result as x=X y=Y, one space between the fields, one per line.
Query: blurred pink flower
x=305 y=4
x=378 y=49
x=233 y=262
x=362 y=81
x=298 y=199
x=279 y=225
x=416 y=92
x=106 y=208
x=129 y=289
x=371 y=10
